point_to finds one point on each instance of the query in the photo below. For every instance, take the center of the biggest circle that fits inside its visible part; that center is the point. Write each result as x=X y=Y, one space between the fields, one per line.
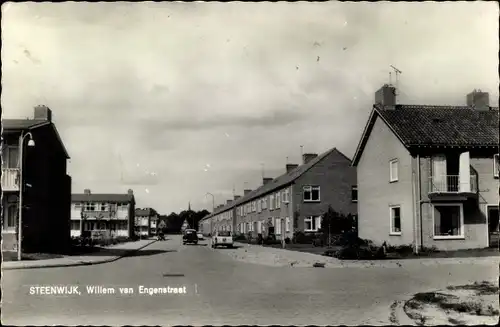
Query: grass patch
x=483 y=288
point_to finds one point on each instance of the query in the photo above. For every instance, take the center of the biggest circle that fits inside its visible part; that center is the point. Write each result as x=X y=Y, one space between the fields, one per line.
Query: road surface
x=220 y=291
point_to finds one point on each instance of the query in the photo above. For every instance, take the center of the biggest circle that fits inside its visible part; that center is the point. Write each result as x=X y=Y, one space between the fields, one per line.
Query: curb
x=80 y=263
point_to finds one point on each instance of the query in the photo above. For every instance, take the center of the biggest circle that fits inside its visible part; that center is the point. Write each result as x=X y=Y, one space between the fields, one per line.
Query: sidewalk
x=108 y=254
x=281 y=257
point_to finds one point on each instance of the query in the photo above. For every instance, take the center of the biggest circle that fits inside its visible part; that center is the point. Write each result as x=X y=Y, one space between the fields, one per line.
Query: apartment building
x=112 y=213
x=294 y=201
x=34 y=171
x=428 y=175
x=145 y=222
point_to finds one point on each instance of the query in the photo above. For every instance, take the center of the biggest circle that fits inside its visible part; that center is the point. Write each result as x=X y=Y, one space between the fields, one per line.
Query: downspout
x=414 y=200
x=420 y=202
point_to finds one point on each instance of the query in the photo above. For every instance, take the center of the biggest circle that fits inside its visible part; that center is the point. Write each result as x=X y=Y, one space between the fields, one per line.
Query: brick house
x=145 y=222
x=47 y=187
x=295 y=200
x=105 y=212
x=428 y=175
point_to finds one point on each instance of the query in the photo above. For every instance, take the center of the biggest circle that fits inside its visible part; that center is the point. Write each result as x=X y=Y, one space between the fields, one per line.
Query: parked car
x=222 y=238
x=200 y=236
x=190 y=236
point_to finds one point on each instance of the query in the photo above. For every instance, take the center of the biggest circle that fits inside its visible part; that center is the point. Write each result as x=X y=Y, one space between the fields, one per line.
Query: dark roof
x=144 y=212
x=18 y=125
x=436 y=126
x=119 y=198
x=277 y=183
x=22 y=124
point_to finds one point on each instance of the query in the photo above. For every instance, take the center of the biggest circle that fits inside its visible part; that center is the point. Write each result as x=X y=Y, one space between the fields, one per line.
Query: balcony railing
x=10 y=179
x=453 y=184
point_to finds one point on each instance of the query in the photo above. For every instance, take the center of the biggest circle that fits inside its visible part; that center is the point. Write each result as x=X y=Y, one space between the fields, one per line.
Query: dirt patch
x=457 y=305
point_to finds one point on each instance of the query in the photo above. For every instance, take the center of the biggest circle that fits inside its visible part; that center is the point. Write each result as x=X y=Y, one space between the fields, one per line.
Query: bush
x=300 y=237
x=287 y=240
x=360 y=253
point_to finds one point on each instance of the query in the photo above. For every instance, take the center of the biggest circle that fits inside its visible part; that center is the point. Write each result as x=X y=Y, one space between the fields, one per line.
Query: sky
x=174 y=100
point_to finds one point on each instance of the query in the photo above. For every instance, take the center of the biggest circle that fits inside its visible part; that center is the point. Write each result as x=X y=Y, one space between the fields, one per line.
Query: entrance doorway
x=493 y=231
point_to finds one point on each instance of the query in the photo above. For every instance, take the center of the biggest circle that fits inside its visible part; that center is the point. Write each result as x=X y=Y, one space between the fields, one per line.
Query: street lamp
x=31 y=143
x=213 y=210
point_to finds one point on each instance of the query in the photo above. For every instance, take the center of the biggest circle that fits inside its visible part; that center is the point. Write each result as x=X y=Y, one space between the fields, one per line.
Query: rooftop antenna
x=301 y=150
x=397 y=72
x=234 y=191
x=390 y=78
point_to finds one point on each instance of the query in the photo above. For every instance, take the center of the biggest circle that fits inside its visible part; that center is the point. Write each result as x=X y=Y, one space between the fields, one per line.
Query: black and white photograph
x=250 y=163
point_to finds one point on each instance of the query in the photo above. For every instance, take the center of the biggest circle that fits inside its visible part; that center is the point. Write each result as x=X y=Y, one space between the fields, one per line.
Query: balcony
x=10 y=179
x=97 y=215
x=453 y=187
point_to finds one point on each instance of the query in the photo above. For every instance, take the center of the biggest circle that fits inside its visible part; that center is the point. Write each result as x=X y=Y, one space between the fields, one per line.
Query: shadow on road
x=123 y=252
x=229 y=248
x=196 y=244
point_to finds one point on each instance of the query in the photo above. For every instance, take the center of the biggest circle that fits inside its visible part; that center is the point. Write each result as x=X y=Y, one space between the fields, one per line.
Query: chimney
x=290 y=167
x=306 y=157
x=228 y=202
x=130 y=192
x=86 y=191
x=245 y=192
x=478 y=100
x=236 y=197
x=266 y=180
x=386 y=96
x=43 y=113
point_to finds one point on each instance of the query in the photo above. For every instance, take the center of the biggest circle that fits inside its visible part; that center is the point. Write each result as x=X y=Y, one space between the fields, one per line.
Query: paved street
x=221 y=290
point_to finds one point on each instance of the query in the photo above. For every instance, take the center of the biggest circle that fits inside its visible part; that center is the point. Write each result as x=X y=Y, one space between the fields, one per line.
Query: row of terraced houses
x=36 y=186
x=422 y=174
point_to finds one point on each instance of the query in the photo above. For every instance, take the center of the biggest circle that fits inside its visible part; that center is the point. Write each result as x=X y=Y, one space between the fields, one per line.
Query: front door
x=493 y=231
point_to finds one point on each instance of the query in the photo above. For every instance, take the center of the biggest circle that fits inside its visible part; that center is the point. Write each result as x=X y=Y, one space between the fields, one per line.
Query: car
x=222 y=238
x=190 y=237
x=200 y=236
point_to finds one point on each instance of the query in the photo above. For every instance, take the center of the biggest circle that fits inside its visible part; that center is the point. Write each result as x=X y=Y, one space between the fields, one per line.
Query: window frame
x=310 y=188
x=286 y=195
x=312 y=219
x=393 y=178
x=391 y=217
x=354 y=188
x=277 y=228
x=461 y=236
x=287 y=224
x=278 y=200
x=271 y=202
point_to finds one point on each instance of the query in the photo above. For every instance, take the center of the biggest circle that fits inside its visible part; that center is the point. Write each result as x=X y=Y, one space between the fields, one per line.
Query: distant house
x=294 y=201
x=428 y=175
x=46 y=186
x=145 y=221
x=106 y=212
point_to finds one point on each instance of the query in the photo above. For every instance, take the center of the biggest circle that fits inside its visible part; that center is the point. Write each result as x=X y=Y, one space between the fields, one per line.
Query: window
x=103 y=206
x=393 y=170
x=278 y=200
x=271 y=202
x=10 y=217
x=264 y=203
x=354 y=193
x=286 y=195
x=89 y=206
x=254 y=206
x=259 y=227
x=278 y=226
x=496 y=165
x=259 y=205
x=312 y=224
x=75 y=225
x=395 y=220
x=249 y=227
x=10 y=156
x=311 y=194
x=448 y=221
x=287 y=224
x=78 y=206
